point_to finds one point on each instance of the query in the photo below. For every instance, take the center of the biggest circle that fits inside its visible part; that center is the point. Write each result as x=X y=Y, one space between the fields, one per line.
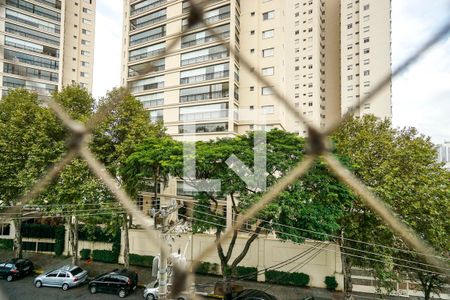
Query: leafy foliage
x=60 y=233
x=85 y=254
x=141 y=260
x=106 y=256
x=285 y=278
x=331 y=283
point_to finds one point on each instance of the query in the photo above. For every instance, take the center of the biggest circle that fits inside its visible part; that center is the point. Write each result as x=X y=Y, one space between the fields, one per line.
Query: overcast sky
x=421 y=96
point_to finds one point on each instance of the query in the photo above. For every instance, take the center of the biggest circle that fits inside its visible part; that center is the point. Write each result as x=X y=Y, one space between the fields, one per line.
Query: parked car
x=16 y=268
x=151 y=292
x=253 y=295
x=64 y=277
x=120 y=282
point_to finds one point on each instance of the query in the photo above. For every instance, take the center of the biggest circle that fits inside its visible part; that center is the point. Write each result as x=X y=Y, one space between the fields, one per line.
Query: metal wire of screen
x=318 y=145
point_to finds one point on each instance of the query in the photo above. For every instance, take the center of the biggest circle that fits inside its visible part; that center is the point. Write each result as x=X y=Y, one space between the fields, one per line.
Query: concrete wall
x=264 y=252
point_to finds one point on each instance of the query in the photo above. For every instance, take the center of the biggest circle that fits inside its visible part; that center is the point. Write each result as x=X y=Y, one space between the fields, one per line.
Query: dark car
x=253 y=295
x=16 y=268
x=120 y=282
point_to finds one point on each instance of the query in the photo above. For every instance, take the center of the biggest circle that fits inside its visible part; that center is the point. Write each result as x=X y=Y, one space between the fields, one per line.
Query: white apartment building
x=323 y=55
x=47 y=44
x=443 y=154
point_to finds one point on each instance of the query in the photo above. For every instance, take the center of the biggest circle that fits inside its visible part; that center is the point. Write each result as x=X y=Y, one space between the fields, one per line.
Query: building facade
x=47 y=44
x=302 y=47
x=443 y=154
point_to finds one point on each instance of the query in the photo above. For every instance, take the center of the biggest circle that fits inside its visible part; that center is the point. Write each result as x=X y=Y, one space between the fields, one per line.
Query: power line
x=338 y=237
x=345 y=247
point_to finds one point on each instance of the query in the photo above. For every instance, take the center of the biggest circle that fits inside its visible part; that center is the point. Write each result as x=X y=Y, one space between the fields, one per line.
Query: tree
x=399 y=166
x=125 y=126
x=31 y=139
x=313 y=202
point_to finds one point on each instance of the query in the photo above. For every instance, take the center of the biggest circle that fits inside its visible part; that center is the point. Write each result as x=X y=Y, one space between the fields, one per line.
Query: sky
x=421 y=95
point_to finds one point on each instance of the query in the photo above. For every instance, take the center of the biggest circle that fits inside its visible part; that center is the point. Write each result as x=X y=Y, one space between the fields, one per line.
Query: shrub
x=6 y=244
x=141 y=260
x=246 y=273
x=60 y=233
x=331 y=283
x=105 y=256
x=206 y=268
x=285 y=278
x=85 y=254
x=94 y=234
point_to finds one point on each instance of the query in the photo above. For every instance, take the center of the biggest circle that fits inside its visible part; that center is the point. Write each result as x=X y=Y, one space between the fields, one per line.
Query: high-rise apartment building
x=46 y=44
x=201 y=89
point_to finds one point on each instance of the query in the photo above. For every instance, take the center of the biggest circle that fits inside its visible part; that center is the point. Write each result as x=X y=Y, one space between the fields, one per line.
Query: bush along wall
x=60 y=234
x=40 y=231
x=109 y=256
x=85 y=254
x=245 y=273
x=95 y=234
x=285 y=278
x=331 y=283
x=141 y=260
x=206 y=268
x=6 y=244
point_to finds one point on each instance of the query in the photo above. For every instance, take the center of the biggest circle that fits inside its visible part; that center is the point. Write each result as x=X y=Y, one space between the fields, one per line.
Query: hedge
x=141 y=260
x=98 y=234
x=285 y=278
x=206 y=268
x=6 y=244
x=331 y=283
x=60 y=233
x=246 y=273
x=85 y=254
x=105 y=256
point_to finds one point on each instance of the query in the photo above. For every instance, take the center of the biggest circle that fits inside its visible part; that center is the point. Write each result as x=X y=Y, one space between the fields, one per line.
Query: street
x=23 y=289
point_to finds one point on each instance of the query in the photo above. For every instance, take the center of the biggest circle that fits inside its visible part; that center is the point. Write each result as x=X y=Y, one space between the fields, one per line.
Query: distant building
x=443 y=153
x=46 y=44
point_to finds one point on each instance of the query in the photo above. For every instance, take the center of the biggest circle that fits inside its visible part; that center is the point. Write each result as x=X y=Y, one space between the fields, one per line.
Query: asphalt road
x=23 y=289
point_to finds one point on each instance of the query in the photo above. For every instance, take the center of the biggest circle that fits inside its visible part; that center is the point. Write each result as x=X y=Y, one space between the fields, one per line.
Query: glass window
x=269 y=15
x=205 y=73
x=21 y=44
x=212 y=53
x=40 y=24
x=268 y=71
x=267 y=90
x=148 y=51
x=43 y=88
x=35 y=9
x=156 y=115
x=148 y=19
x=210 y=17
x=203 y=128
x=205 y=36
x=148 y=35
x=29 y=72
x=29 y=33
x=151 y=100
x=268 y=52
x=147 y=84
x=268 y=34
x=206 y=92
x=31 y=59
x=267 y=109
x=147 y=67
x=145 y=5
x=204 y=112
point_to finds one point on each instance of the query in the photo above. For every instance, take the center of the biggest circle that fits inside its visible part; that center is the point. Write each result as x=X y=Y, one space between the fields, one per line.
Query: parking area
x=23 y=289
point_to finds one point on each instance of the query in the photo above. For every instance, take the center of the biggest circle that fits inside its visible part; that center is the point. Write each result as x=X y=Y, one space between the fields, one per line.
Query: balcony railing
x=147 y=7
x=204 y=77
x=187 y=5
x=199 y=59
x=149 y=86
x=152 y=21
x=204 y=96
x=204 y=40
x=148 y=38
x=147 y=54
x=210 y=20
x=203 y=116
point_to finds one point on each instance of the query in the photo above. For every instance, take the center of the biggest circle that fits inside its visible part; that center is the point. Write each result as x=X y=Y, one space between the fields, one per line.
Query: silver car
x=64 y=277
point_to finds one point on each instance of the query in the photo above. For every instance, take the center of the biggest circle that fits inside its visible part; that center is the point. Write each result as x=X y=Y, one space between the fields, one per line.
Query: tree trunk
x=126 y=246
x=73 y=234
x=17 y=243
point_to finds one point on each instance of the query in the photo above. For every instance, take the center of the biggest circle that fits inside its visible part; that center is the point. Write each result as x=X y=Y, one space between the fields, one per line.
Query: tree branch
x=219 y=246
x=247 y=247
x=231 y=246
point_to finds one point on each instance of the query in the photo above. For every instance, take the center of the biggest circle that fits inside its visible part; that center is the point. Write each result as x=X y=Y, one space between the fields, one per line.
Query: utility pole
x=163 y=213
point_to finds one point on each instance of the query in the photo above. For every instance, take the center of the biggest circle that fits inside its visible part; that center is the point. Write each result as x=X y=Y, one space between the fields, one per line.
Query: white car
x=151 y=292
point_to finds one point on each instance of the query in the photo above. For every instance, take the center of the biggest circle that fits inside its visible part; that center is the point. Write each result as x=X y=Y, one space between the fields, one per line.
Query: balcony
x=147 y=54
x=204 y=77
x=203 y=116
x=204 y=40
x=205 y=96
x=146 y=7
x=214 y=56
x=210 y=20
x=147 y=38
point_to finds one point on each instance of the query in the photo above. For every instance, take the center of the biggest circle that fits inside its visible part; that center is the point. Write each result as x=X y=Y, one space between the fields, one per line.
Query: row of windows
x=203 y=112
x=30 y=85
x=203 y=128
x=148 y=19
x=145 y=5
x=206 y=92
x=35 y=9
x=204 y=73
x=145 y=68
x=32 y=34
x=21 y=44
x=147 y=51
x=43 y=25
x=210 y=17
x=52 y=3
x=205 y=36
x=30 y=72
x=31 y=59
x=212 y=53
x=148 y=35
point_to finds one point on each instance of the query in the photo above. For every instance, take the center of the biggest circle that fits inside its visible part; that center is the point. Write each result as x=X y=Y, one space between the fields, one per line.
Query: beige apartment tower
x=201 y=91
x=47 y=44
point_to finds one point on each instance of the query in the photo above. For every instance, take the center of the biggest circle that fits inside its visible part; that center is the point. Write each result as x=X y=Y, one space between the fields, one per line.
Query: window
x=268 y=34
x=148 y=19
x=206 y=92
x=156 y=115
x=267 y=109
x=206 y=54
x=84 y=74
x=366 y=7
x=366 y=61
x=86 y=32
x=29 y=33
x=269 y=15
x=148 y=51
x=203 y=128
x=203 y=112
x=31 y=21
x=84 y=64
x=366 y=72
x=85 y=53
x=366 y=40
x=268 y=52
x=86 y=21
x=366 y=18
x=87 y=10
x=149 y=35
x=5 y=229
x=30 y=59
x=205 y=36
x=147 y=84
x=252 y=88
x=366 y=51
x=366 y=28
x=252 y=32
x=85 y=42
x=267 y=90
x=268 y=71
x=151 y=100
x=349 y=26
x=204 y=73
